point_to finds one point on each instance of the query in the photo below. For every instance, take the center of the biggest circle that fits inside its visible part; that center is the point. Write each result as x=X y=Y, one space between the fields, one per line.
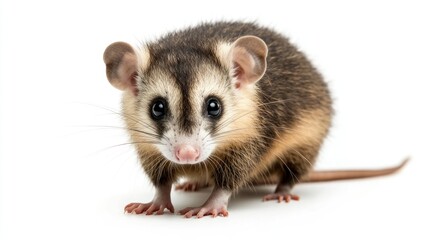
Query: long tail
x=324 y=176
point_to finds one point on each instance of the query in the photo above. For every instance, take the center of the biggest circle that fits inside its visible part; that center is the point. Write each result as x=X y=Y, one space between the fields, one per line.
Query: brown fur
x=273 y=128
x=278 y=123
x=309 y=131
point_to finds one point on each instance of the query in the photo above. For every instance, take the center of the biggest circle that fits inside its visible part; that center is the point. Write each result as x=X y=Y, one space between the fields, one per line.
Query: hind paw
x=280 y=197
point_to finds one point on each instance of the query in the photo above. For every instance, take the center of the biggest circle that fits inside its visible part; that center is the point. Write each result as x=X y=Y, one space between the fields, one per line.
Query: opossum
x=226 y=104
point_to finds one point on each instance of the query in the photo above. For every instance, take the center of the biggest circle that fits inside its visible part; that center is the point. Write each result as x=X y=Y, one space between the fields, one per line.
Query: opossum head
x=187 y=102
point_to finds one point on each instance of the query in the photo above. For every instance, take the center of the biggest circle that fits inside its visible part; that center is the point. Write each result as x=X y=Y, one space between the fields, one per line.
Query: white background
x=62 y=177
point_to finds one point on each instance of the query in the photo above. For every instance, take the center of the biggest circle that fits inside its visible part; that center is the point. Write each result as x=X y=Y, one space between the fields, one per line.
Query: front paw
x=215 y=205
x=206 y=210
x=149 y=208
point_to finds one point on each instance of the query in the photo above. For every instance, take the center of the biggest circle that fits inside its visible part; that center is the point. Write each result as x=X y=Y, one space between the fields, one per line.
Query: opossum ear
x=248 y=57
x=121 y=66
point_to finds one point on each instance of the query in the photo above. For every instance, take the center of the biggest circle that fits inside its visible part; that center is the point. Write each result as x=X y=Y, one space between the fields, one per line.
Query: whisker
x=132 y=143
x=126 y=128
x=303 y=157
x=230 y=120
x=121 y=114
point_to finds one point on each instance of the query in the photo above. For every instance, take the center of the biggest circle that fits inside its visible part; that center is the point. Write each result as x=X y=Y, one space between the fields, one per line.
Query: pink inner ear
x=247 y=61
x=238 y=73
x=243 y=67
x=238 y=70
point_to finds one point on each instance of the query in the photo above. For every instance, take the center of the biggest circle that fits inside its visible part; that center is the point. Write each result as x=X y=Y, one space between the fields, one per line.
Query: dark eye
x=159 y=108
x=213 y=108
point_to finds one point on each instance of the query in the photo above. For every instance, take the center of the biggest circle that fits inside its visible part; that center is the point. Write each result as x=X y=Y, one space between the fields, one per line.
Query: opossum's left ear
x=247 y=60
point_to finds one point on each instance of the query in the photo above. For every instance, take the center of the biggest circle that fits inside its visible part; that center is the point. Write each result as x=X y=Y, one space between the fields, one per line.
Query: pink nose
x=187 y=153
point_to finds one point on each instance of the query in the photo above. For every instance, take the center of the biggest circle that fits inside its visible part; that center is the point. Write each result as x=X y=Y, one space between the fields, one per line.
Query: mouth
x=187 y=162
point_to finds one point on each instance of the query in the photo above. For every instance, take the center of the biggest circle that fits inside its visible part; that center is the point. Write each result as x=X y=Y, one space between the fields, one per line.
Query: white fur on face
x=223 y=53
x=201 y=140
x=160 y=85
x=235 y=124
x=208 y=82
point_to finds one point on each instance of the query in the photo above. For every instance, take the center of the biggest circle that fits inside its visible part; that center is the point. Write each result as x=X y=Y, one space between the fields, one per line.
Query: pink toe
x=140 y=209
x=189 y=214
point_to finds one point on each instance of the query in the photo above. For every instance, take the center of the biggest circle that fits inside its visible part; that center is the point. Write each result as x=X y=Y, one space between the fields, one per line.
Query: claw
x=214 y=213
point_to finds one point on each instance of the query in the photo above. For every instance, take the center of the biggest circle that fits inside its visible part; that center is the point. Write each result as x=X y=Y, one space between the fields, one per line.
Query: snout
x=187 y=154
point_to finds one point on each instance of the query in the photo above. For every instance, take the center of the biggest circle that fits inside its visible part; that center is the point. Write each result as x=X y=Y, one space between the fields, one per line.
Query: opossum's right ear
x=121 y=66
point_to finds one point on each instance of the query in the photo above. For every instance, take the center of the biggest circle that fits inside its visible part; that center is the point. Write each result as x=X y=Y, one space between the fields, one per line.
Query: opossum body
x=228 y=104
